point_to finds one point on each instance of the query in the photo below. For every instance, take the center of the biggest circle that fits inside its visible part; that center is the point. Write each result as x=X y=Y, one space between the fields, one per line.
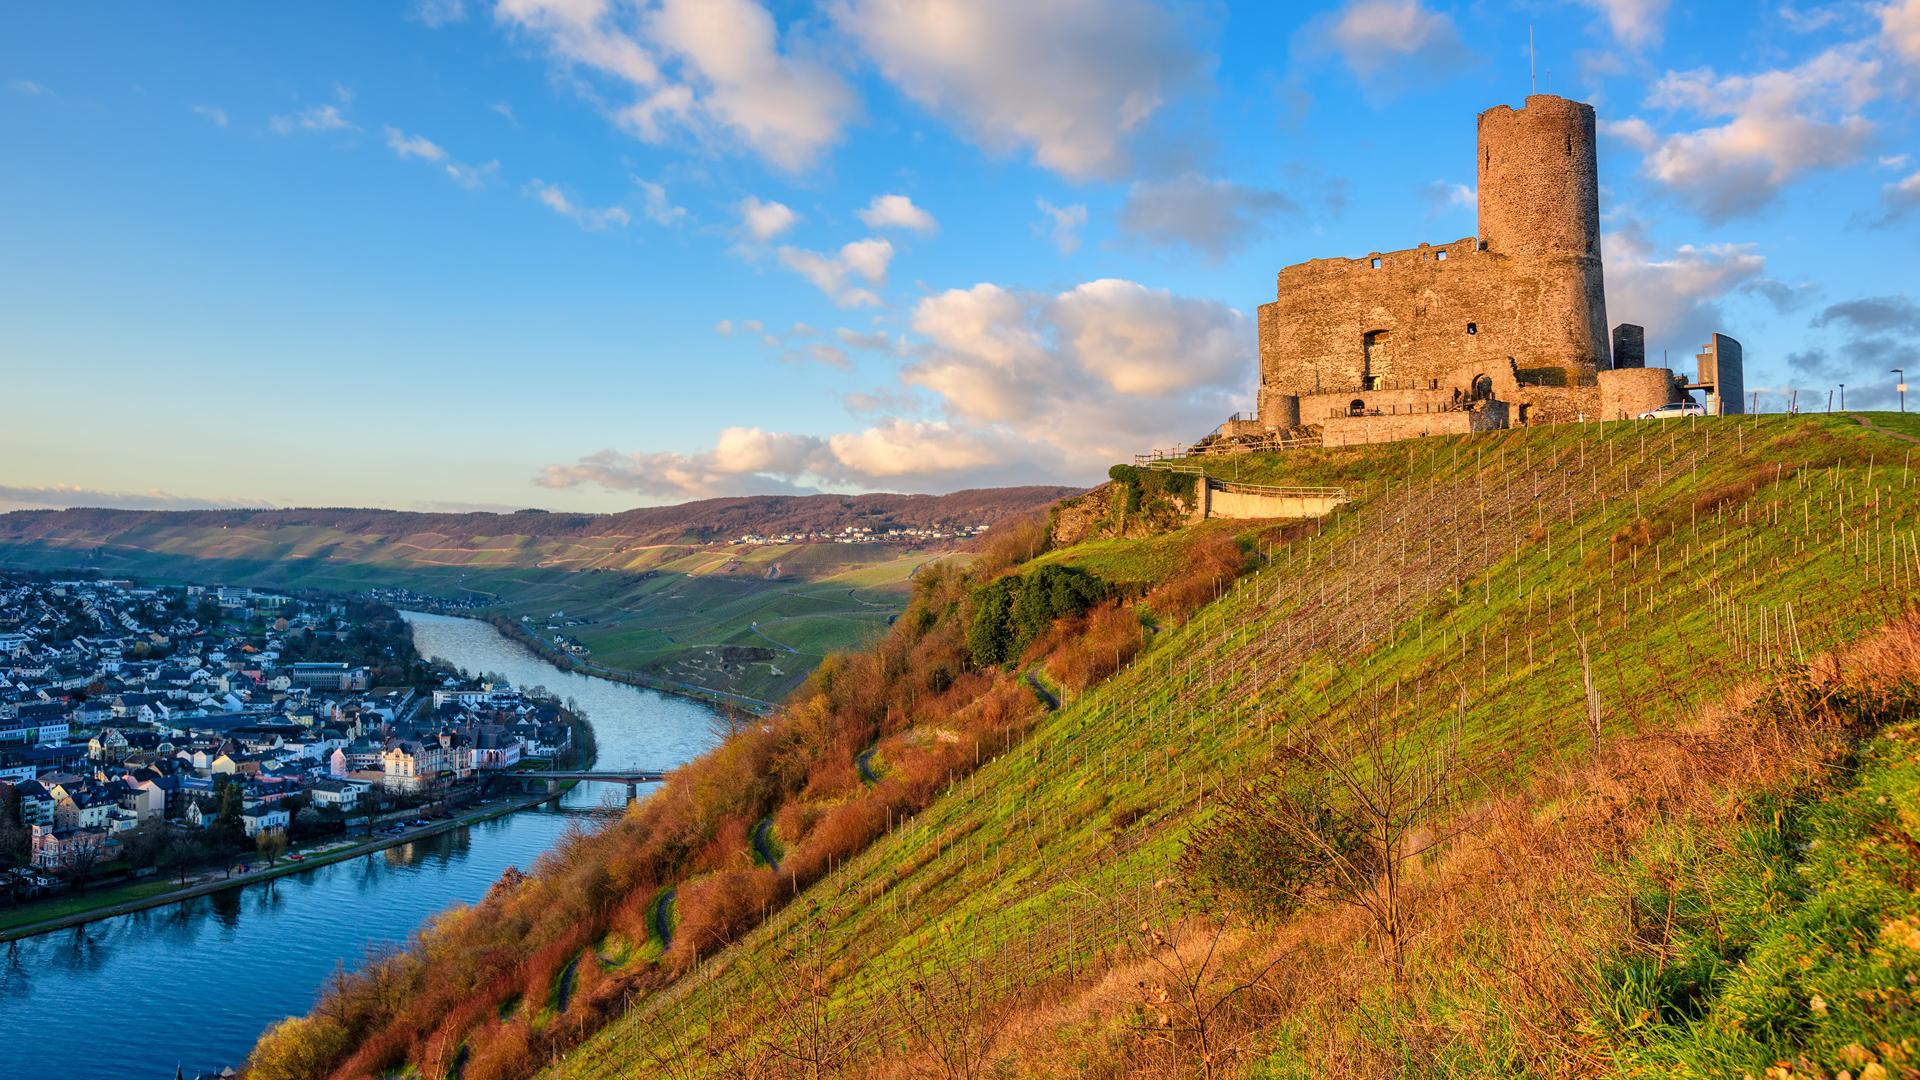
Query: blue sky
x=589 y=254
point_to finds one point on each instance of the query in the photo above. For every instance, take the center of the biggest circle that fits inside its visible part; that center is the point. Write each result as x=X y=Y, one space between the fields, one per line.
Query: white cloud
x=1776 y=126
x=1212 y=216
x=587 y=217
x=1900 y=198
x=212 y=114
x=414 y=146
x=1023 y=387
x=724 y=328
x=406 y=146
x=505 y=112
x=1063 y=224
x=1389 y=44
x=833 y=274
x=896 y=212
x=764 y=220
x=1149 y=342
x=315 y=118
x=27 y=87
x=69 y=496
x=657 y=206
x=1635 y=23
x=1900 y=25
x=714 y=67
x=1674 y=295
x=1445 y=195
x=437 y=13
x=1069 y=79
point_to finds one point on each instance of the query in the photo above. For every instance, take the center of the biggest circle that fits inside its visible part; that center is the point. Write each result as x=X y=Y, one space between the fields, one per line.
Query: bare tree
x=1390 y=797
x=1195 y=996
x=946 y=1015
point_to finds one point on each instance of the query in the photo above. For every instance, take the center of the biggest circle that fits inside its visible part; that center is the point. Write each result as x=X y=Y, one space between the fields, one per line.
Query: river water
x=193 y=984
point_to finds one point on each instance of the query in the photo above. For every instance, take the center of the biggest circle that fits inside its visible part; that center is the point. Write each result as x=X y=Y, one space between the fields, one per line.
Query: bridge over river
x=633 y=778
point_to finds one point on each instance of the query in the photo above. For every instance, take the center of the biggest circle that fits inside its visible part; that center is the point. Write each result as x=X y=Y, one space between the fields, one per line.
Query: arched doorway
x=1356 y=407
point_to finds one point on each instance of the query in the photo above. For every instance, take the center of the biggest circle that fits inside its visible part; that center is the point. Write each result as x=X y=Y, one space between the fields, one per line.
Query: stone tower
x=1540 y=204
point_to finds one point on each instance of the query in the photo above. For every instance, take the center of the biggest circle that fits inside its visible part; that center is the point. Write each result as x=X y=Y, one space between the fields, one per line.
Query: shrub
x=1011 y=612
x=1212 y=563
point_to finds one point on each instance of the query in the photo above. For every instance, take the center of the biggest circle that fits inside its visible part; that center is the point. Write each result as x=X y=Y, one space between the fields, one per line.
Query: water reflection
x=245 y=957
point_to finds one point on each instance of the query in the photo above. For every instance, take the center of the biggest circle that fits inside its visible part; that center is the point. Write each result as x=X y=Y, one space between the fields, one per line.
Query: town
x=863 y=534
x=193 y=729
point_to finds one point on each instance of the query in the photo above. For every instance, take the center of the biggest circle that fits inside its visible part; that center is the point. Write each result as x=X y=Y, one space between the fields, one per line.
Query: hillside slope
x=1451 y=597
x=654 y=591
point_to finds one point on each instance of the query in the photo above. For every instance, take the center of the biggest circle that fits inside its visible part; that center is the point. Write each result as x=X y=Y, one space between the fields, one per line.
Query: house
x=339 y=796
x=36 y=803
x=412 y=766
x=264 y=818
x=85 y=806
x=65 y=849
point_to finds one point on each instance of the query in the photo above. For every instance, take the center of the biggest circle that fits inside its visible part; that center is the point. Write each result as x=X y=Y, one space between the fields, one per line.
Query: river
x=193 y=984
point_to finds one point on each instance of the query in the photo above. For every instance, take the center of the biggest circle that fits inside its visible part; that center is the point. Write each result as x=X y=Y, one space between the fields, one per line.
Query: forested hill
x=707 y=519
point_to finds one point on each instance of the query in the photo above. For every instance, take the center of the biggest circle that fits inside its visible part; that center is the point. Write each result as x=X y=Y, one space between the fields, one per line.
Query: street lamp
x=1901 y=386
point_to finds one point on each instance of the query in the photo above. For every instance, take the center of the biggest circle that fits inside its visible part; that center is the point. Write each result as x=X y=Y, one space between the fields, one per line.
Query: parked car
x=1674 y=409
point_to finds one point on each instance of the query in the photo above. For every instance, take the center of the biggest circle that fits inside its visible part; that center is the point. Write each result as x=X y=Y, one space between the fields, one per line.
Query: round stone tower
x=1540 y=206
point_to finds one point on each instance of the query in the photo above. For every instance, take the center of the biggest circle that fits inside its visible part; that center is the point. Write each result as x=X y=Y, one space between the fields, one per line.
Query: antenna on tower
x=1533 y=86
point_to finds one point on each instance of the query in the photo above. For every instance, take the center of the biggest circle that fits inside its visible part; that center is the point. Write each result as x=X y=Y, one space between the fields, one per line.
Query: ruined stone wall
x=1442 y=318
x=1557 y=404
x=1627 y=392
x=1359 y=430
x=1527 y=293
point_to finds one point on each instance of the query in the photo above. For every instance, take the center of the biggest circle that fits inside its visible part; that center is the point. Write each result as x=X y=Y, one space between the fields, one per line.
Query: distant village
x=861 y=534
x=149 y=728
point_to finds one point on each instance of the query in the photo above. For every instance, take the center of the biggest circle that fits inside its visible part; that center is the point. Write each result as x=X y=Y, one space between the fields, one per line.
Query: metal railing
x=1259 y=445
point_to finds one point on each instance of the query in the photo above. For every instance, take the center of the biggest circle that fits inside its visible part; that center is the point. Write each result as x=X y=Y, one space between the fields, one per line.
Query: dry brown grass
x=1508 y=925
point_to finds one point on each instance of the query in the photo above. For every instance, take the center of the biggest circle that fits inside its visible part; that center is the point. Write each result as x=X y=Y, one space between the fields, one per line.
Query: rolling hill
x=656 y=591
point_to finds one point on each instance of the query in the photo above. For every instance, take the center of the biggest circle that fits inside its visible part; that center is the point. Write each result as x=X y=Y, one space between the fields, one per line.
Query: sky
x=594 y=254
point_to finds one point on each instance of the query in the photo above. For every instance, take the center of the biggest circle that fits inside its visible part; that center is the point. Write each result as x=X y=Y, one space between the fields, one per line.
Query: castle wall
x=1526 y=294
x=1360 y=430
x=1625 y=393
x=1468 y=312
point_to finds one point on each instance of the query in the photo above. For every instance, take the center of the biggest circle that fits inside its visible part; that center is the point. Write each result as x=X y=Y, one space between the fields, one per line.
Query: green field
x=751 y=621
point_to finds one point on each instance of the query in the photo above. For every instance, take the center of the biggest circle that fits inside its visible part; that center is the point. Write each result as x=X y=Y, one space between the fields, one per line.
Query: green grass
x=1800 y=945
x=74 y=903
x=1454 y=583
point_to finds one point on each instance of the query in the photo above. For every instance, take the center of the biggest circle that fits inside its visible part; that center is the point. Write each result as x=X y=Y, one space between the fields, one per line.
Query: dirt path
x=1045 y=695
x=763 y=843
x=1871 y=426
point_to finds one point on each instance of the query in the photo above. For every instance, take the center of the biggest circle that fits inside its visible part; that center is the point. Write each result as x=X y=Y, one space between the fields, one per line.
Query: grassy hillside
x=655 y=591
x=1450 y=599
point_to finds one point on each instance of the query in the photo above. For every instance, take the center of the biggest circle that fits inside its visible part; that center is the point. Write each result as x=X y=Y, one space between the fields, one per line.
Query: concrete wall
x=1722 y=363
x=1629 y=346
x=1226 y=501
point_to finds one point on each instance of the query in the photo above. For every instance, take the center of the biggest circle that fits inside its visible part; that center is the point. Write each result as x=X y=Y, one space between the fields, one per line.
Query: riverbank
x=126 y=899
x=567 y=661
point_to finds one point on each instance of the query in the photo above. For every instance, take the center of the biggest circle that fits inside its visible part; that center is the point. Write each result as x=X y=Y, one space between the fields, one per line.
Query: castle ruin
x=1505 y=328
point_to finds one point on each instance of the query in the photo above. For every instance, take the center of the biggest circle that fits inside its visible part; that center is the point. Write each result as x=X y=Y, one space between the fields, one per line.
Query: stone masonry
x=1516 y=316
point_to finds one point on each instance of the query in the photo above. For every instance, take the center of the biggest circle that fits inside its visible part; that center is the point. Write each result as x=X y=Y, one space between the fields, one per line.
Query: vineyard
x=1455 y=599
